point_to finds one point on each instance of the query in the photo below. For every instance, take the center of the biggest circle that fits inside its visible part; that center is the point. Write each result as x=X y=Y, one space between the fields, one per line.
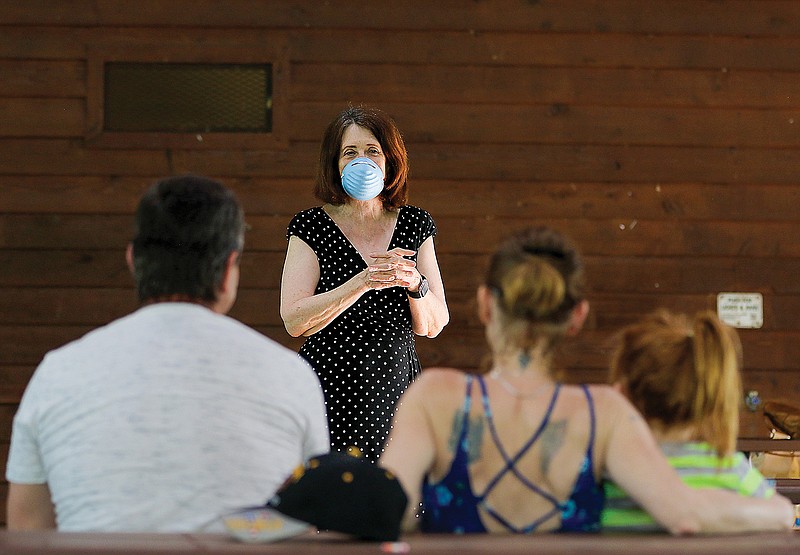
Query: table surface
x=65 y=543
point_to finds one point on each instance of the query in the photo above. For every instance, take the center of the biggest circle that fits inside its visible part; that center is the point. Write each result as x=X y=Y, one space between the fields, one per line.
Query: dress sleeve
x=428 y=225
x=414 y=227
x=422 y=224
x=305 y=226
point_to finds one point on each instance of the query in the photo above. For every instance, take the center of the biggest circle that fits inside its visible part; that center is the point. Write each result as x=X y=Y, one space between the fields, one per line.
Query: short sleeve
x=428 y=225
x=25 y=464
x=297 y=227
x=419 y=226
x=306 y=225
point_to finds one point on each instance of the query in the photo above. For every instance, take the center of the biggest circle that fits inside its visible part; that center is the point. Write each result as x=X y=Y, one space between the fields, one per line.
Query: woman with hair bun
x=513 y=450
x=683 y=376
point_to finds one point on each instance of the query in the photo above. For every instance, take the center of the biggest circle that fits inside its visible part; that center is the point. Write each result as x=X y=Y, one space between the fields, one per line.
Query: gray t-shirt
x=165 y=419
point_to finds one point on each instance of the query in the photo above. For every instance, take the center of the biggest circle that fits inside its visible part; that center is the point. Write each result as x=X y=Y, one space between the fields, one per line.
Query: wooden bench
x=64 y=543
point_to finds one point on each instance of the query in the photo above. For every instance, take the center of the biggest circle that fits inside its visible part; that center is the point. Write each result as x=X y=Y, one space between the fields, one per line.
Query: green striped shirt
x=699 y=467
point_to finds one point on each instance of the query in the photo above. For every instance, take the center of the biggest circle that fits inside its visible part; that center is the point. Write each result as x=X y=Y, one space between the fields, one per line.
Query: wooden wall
x=662 y=136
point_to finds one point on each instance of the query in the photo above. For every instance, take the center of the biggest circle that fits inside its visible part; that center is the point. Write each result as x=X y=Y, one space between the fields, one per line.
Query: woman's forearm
x=732 y=513
x=429 y=315
x=309 y=315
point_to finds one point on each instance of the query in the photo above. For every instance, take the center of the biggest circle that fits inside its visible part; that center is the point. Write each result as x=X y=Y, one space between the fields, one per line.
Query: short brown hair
x=328 y=186
x=186 y=228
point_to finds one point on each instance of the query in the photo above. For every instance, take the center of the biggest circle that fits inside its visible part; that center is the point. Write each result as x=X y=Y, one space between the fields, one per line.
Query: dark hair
x=328 y=186
x=186 y=228
x=537 y=277
x=679 y=371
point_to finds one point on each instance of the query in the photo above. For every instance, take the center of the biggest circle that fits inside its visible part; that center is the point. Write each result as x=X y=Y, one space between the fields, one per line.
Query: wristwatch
x=423 y=289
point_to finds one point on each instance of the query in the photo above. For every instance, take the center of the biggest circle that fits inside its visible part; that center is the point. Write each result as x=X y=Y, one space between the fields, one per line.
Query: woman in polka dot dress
x=361 y=278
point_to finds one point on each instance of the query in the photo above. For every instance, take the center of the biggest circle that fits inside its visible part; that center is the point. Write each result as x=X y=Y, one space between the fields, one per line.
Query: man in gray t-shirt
x=168 y=417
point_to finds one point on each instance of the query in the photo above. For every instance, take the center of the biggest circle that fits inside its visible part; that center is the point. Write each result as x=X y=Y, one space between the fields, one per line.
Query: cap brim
x=262 y=525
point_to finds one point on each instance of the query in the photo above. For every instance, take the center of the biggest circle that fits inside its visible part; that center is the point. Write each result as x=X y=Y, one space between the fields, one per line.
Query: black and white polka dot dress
x=365 y=358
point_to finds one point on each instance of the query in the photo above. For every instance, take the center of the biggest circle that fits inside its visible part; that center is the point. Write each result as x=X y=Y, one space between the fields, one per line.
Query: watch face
x=423 y=287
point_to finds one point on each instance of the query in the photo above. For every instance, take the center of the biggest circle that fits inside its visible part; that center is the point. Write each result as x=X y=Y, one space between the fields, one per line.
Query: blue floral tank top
x=451 y=506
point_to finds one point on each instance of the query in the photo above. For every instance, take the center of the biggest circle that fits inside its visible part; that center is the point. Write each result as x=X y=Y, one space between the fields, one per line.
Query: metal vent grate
x=188 y=98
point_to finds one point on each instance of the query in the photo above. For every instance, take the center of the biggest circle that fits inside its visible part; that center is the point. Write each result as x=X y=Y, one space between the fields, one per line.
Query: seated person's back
x=517 y=467
x=176 y=413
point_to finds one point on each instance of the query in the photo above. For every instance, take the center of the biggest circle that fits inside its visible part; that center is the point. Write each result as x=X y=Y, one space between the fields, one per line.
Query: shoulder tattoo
x=474 y=438
x=551 y=441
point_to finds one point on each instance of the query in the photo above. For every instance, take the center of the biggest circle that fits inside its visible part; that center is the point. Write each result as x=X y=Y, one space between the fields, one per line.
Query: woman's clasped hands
x=392 y=269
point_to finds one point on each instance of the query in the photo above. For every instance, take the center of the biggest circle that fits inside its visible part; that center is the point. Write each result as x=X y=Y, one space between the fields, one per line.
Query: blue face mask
x=362 y=179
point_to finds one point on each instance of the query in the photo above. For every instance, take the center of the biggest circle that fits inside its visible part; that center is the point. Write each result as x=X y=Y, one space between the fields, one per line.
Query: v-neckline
x=352 y=245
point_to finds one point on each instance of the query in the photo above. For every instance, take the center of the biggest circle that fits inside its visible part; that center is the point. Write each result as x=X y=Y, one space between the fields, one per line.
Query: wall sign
x=741 y=310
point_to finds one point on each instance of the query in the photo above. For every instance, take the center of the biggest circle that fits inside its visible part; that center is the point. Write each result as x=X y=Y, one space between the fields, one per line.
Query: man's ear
x=578 y=317
x=230 y=277
x=129 y=257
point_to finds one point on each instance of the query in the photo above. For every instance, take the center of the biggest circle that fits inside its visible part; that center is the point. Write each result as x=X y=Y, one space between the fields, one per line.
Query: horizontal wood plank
x=620 y=164
x=658 y=275
x=99 y=195
x=591 y=200
x=557 y=87
x=43 y=117
x=721 y=53
x=95 y=306
x=544 y=162
x=617 y=237
x=667 y=17
x=532 y=200
x=630 y=274
x=43 y=79
x=774 y=351
x=560 y=123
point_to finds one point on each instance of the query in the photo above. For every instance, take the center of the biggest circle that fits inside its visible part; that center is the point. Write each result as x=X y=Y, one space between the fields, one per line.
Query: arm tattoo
x=552 y=439
x=474 y=436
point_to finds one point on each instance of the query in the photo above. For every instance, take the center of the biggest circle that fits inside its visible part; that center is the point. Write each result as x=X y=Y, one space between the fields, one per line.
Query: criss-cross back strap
x=510 y=463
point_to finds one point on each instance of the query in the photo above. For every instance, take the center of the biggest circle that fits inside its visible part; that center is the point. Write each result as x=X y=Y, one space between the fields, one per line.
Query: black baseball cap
x=335 y=492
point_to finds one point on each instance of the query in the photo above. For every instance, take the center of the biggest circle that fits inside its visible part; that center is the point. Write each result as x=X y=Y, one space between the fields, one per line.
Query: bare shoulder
x=441 y=375
x=437 y=384
x=606 y=394
x=613 y=409
x=609 y=403
x=598 y=392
